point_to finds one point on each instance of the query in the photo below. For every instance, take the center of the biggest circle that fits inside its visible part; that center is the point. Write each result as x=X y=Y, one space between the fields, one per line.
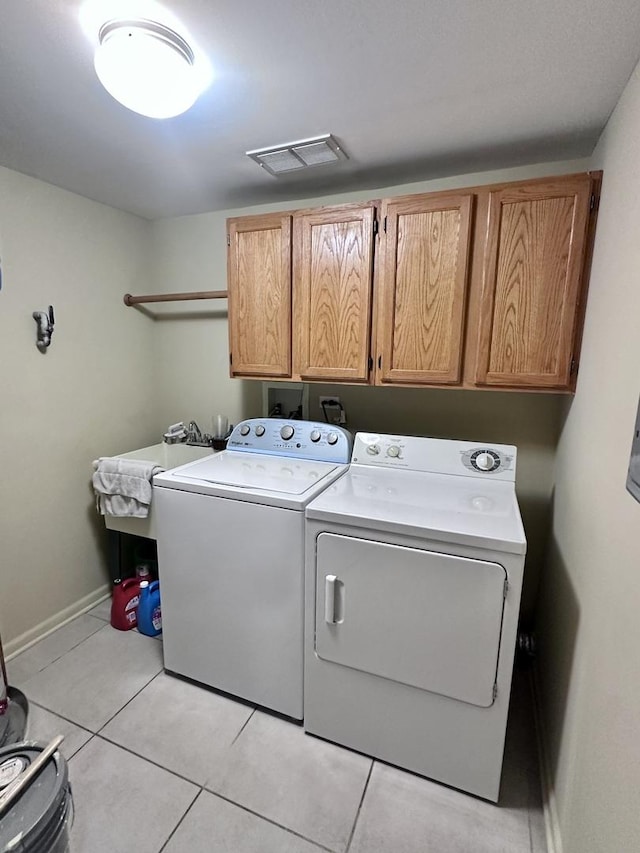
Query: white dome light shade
x=147 y=67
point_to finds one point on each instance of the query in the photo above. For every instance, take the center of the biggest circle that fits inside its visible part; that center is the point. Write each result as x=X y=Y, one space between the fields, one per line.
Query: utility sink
x=167 y=456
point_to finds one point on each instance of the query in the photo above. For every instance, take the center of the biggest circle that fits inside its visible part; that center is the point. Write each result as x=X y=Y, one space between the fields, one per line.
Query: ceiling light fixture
x=148 y=67
x=293 y=156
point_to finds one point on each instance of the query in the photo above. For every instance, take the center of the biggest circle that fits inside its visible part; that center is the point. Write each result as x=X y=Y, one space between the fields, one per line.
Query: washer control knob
x=393 y=451
x=373 y=449
x=287 y=432
x=245 y=429
x=259 y=430
x=485 y=461
x=332 y=438
x=315 y=435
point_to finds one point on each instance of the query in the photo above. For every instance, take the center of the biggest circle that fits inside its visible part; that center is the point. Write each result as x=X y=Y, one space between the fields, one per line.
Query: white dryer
x=230 y=532
x=414 y=568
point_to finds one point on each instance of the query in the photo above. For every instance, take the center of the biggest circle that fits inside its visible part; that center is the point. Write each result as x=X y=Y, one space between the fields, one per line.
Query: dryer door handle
x=330 y=599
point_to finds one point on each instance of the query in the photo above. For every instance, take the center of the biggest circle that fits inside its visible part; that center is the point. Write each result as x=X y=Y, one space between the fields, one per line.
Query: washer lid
x=249 y=471
x=443 y=507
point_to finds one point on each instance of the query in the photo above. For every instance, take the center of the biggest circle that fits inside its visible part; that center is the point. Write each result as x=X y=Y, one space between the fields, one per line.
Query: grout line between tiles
x=213 y=793
x=66 y=652
x=129 y=701
x=364 y=791
x=78 y=751
x=175 y=828
x=270 y=820
x=91 y=616
x=149 y=760
x=199 y=792
x=246 y=723
x=62 y=717
x=106 y=619
x=86 y=728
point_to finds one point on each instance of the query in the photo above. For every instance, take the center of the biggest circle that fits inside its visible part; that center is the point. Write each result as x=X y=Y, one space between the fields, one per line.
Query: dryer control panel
x=435 y=455
x=315 y=440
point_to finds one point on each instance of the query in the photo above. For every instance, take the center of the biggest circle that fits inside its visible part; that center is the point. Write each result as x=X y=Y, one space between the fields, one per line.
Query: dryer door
x=425 y=619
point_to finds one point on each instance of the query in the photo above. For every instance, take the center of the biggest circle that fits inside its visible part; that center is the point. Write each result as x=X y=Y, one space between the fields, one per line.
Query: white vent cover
x=293 y=156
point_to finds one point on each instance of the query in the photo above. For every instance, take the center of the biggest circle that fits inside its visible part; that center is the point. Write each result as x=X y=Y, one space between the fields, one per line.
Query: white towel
x=123 y=486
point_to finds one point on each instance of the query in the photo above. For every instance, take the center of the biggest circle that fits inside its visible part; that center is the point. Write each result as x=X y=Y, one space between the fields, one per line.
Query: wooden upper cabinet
x=534 y=252
x=481 y=287
x=421 y=289
x=259 y=283
x=332 y=279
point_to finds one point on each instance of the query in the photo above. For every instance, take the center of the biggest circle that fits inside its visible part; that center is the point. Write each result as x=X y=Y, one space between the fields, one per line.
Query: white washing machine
x=230 y=532
x=414 y=567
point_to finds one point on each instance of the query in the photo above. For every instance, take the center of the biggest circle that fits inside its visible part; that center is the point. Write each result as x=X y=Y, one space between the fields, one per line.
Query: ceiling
x=413 y=89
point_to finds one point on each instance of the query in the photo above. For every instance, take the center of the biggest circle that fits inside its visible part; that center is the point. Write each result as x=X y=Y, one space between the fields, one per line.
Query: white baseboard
x=549 y=802
x=34 y=635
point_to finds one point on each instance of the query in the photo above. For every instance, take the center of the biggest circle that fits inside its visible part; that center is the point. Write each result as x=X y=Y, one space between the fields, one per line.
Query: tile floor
x=157 y=764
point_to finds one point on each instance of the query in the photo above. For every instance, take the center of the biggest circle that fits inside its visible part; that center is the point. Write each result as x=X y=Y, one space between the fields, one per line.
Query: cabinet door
x=422 y=289
x=333 y=258
x=531 y=280
x=259 y=283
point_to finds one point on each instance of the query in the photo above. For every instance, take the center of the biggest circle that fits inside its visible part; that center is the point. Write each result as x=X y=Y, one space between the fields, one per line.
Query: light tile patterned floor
x=161 y=766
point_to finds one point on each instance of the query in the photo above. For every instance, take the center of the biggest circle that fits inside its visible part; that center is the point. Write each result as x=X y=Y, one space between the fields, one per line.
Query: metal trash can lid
x=36 y=816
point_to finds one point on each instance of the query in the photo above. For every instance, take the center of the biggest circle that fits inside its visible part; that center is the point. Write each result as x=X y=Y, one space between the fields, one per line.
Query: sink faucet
x=194 y=435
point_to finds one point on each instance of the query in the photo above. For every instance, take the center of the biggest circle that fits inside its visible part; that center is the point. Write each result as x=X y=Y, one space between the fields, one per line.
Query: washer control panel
x=300 y=439
x=435 y=455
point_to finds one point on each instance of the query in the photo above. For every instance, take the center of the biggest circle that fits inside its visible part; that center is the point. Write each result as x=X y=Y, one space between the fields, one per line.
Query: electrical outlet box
x=332 y=409
x=285 y=400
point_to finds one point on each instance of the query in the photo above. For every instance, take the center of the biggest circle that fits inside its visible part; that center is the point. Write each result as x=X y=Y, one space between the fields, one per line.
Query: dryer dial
x=287 y=432
x=485 y=460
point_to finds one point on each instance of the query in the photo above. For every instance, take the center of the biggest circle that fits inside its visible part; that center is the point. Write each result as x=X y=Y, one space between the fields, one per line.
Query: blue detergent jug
x=149 y=612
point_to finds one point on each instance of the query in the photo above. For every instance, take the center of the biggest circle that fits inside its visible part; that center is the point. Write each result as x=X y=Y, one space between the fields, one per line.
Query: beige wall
x=191 y=357
x=590 y=603
x=90 y=394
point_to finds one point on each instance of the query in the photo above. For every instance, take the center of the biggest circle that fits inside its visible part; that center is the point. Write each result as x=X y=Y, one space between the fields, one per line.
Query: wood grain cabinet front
x=534 y=255
x=259 y=285
x=332 y=279
x=421 y=289
x=483 y=287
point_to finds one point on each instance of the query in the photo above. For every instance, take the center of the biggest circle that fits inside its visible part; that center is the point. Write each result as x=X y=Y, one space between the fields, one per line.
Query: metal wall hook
x=45 y=323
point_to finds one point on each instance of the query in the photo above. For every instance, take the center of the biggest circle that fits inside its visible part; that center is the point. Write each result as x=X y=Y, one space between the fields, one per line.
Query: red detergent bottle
x=149 y=612
x=124 y=604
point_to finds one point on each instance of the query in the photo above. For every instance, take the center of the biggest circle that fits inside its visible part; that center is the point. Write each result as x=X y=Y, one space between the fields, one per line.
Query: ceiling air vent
x=294 y=156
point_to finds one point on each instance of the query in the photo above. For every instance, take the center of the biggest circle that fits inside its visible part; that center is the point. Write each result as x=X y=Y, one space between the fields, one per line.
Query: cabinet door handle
x=330 y=599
